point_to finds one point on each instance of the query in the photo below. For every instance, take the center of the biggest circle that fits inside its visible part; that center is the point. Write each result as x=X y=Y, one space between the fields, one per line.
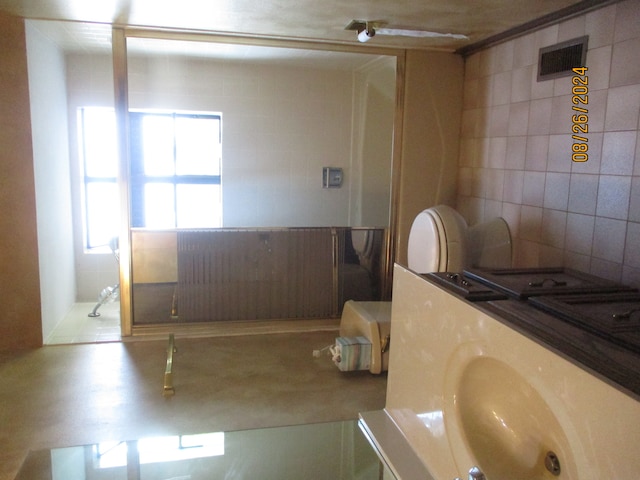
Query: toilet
x=439 y=241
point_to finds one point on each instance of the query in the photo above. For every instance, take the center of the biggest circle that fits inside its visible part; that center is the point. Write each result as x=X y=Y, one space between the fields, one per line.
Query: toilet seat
x=438 y=241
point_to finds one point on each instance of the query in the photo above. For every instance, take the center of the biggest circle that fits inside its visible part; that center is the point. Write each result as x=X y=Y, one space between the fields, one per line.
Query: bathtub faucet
x=476 y=474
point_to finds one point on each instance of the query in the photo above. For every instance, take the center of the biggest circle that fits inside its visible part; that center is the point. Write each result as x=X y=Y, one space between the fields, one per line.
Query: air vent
x=559 y=60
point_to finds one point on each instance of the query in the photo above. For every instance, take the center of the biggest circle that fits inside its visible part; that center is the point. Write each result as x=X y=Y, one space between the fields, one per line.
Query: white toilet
x=439 y=241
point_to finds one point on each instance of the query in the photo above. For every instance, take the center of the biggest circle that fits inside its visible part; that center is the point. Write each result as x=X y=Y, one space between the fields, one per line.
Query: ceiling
x=307 y=20
x=95 y=38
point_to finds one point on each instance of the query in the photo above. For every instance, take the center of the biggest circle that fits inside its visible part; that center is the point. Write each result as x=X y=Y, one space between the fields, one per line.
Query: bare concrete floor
x=69 y=395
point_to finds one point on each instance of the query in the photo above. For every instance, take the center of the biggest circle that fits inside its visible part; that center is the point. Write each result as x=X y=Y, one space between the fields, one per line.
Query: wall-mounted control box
x=331 y=177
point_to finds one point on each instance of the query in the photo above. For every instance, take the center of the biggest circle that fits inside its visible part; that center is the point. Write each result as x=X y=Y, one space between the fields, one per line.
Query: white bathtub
x=464 y=389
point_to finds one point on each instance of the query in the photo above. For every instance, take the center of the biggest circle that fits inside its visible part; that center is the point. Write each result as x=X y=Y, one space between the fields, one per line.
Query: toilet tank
x=371 y=320
x=490 y=245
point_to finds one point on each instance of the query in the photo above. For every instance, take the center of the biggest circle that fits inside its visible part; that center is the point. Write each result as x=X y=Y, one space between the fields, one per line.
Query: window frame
x=137 y=179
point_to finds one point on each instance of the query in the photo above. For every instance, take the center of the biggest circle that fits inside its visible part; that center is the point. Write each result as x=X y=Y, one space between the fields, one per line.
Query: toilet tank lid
x=433 y=231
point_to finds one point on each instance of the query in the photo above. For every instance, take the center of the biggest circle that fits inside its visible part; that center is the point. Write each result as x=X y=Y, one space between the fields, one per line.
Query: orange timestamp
x=580 y=120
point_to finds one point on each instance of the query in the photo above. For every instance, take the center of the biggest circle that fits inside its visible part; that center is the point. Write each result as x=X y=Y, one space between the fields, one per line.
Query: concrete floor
x=79 y=394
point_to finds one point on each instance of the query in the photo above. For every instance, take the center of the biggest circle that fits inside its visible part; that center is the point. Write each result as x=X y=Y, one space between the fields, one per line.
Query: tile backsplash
x=516 y=147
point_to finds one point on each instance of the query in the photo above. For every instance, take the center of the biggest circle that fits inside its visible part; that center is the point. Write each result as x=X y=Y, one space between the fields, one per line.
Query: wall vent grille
x=559 y=60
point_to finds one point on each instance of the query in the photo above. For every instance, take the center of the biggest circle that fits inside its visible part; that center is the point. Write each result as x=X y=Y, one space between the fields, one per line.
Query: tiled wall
x=515 y=155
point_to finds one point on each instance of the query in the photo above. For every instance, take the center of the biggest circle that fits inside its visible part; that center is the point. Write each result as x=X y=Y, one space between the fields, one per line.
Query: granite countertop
x=612 y=357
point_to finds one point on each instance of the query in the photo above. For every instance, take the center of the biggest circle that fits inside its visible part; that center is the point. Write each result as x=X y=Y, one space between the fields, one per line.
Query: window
x=99 y=152
x=160 y=450
x=175 y=171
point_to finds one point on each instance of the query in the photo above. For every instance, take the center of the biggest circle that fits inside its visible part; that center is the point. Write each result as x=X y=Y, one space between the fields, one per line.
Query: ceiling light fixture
x=366 y=33
x=368 y=29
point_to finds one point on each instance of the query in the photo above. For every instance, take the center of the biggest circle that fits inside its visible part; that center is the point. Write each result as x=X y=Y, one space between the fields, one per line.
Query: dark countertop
x=617 y=366
x=612 y=362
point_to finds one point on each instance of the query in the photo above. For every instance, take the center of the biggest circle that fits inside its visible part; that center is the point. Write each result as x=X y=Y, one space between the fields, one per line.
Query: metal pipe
x=168 y=374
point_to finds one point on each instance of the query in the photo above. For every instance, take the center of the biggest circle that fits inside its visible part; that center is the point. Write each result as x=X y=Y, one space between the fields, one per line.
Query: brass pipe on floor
x=168 y=374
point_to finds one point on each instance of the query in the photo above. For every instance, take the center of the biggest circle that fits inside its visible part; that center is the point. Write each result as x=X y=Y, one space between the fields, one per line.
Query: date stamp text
x=580 y=119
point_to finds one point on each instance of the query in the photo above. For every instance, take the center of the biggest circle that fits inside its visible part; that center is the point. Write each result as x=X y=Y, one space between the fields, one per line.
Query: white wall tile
x=583 y=193
x=470 y=94
x=554 y=225
x=495 y=184
x=521 y=83
x=516 y=152
x=536 y=153
x=561 y=114
x=608 y=239
x=530 y=223
x=577 y=261
x=634 y=201
x=630 y=275
x=524 y=51
x=613 y=196
x=597 y=109
x=606 y=269
x=625 y=67
x=559 y=159
x=501 y=88
x=518 y=118
x=618 y=153
x=556 y=191
x=499 y=121
x=600 y=24
x=550 y=256
x=559 y=210
x=636 y=164
x=540 y=116
x=497 y=152
x=533 y=188
x=632 y=246
x=623 y=107
x=599 y=64
x=627 y=20
x=579 y=233
x=511 y=214
x=592 y=165
x=572 y=28
x=514 y=184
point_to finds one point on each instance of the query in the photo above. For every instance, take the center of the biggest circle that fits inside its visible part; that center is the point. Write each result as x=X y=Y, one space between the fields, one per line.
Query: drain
x=552 y=463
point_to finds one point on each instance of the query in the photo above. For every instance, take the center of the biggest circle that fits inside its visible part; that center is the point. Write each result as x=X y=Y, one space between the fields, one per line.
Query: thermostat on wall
x=331 y=177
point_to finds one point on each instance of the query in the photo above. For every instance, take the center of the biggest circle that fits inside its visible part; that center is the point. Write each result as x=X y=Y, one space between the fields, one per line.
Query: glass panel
x=199 y=206
x=103 y=212
x=159 y=205
x=320 y=450
x=280 y=129
x=197 y=146
x=360 y=264
x=100 y=144
x=157 y=133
